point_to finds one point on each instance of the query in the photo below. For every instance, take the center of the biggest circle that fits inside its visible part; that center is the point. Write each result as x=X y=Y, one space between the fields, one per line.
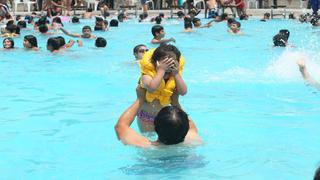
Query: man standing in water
x=172 y=126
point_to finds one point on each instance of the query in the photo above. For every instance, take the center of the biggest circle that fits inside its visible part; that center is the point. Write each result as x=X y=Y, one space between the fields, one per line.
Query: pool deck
x=152 y=13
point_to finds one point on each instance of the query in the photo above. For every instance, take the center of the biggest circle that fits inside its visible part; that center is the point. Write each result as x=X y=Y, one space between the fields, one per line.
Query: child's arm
x=69 y=44
x=156 y=41
x=80 y=43
x=152 y=84
x=175 y=100
x=180 y=84
x=207 y=25
x=69 y=34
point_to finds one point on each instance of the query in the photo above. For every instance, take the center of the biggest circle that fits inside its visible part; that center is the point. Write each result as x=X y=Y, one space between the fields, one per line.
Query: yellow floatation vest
x=165 y=90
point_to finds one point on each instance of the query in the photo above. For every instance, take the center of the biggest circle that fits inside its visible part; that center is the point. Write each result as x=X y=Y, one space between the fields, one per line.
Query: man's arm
x=126 y=134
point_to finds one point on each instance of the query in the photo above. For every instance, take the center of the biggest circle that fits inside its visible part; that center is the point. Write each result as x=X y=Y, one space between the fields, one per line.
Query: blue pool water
x=257 y=117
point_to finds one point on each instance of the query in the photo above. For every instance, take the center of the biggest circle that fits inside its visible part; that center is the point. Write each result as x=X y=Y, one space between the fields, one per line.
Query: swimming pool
x=257 y=118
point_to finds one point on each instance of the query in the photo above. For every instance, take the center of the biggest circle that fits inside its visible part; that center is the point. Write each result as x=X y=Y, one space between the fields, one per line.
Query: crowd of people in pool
x=161 y=83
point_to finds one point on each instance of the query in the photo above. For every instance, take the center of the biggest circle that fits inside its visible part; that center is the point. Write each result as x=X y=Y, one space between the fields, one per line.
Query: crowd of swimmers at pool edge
x=157 y=105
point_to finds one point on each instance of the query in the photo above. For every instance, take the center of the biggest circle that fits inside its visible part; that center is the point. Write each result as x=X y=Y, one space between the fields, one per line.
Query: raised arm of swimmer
x=306 y=75
x=69 y=34
x=160 y=41
x=125 y=133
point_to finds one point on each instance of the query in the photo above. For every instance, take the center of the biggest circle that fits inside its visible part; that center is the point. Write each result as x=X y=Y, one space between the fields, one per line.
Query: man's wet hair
x=98 y=18
x=43 y=28
x=158 y=20
x=10 y=22
x=114 y=23
x=89 y=10
x=156 y=29
x=163 y=51
x=137 y=47
x=172 y=125
x=121 y=16
x=32 y=40
x=61 y=40
x=75 y=19
x=22 y=24
x=187 y=22
x=280 y=40
x=101 y=42
x=13 y=29
x=54 y=42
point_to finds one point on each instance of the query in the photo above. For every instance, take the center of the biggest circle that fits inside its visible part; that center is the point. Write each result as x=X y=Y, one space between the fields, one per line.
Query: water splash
x=285 y=66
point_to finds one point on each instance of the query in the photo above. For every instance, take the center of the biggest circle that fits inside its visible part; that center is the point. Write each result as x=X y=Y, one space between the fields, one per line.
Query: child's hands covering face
x=165 y=64
x=175 y=68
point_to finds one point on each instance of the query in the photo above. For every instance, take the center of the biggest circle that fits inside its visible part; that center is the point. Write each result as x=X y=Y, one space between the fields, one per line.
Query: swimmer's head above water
x=172 y=125
x=86 y=31
x=30 y=41
x=139 y=50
